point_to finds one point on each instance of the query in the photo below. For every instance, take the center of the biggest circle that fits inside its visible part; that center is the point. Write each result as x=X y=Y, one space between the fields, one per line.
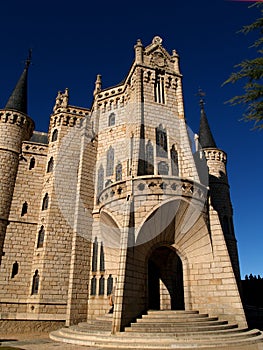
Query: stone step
x=221 y=335
x=174 y=312
x=178 y=329
x=143 y=343
x=80 y=330
x=161 y=330
x=175 y=319
x=106 y=317
x=182 y=336
x=89 y=327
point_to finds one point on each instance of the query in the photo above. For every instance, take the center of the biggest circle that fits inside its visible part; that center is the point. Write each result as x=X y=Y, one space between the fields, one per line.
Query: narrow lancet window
x=95 y=255
x=118 y=172
x=14 y=269
x=50 y=165
x=110 y=162
x=35 y=283
x=100 y=180
x=101 y=285
x=161 y=142
x=45 y=202
x=32 y=163
x=111 y=119
x=102 y=258
x=109 y=284
x=24 y=209
x=40 y=238
x=54 y=135
x=159 y=95
x=93 y=286
x=174 y=161
x=149 y=166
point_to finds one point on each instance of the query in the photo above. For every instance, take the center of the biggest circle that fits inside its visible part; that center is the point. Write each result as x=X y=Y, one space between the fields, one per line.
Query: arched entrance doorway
x=165 y=280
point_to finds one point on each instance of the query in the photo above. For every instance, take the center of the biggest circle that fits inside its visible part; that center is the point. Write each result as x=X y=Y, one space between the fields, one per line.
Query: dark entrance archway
x=165 y=280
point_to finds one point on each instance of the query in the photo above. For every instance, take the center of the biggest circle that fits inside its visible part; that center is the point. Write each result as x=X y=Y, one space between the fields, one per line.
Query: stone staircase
x=162 y=330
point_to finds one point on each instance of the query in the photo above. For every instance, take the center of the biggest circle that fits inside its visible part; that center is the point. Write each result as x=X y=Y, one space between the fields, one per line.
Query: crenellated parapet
x=215 y=154
x=34 y=148
x=19 y=119
x=71 y=116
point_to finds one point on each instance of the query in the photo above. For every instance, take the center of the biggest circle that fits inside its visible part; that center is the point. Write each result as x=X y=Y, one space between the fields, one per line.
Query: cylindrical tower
x=216 y=160
x=15 y=127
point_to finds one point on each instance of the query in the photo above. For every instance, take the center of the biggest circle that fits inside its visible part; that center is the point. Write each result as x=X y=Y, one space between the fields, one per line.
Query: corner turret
x=216 y=161
x=15 y=127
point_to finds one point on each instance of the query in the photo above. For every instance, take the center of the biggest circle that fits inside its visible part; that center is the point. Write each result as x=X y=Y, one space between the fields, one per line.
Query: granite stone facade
x=116 y=199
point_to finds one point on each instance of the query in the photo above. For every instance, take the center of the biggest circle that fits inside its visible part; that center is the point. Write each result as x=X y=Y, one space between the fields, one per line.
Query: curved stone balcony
x=150 y=185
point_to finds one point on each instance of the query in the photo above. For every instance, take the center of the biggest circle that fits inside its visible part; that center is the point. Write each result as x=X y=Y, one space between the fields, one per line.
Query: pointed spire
x=18 y=99
x=97 y=85
x=206 y=138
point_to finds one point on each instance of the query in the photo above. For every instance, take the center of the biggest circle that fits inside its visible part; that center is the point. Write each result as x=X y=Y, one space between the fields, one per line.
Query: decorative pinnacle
x=206 y=138
x=201 y=94
x=139 y=43
x=97 y=84
x=29 y=58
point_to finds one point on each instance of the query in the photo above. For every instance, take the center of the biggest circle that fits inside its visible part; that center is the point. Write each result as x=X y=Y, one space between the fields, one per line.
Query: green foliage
x=252 y=71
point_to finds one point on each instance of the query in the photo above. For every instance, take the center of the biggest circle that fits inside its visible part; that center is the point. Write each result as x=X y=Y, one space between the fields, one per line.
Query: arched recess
x=165 y=280
x=165 y=231
x=109 y=229
x=107 y=236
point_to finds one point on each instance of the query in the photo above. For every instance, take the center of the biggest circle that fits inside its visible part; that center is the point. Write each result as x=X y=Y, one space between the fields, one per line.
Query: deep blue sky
x=72 y=41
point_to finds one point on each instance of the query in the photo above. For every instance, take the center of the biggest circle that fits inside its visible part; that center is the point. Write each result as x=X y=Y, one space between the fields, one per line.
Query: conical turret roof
x=206 y=138
x=18 y=99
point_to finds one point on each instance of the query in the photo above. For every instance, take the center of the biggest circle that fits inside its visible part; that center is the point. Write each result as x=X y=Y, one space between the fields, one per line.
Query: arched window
x=163 y=168
x=159 y=87
x=54 y=135
x=24 y=209
x=100 y=179
x=95 y=255
x=14 y=269
x=149 y=166
x=109 y=284
x=101 y=285
x=45 y=202
x=161 y=142
x=40 y=238
x=35 y=283
x=110 y=162
x=102 y=258
x=32 y=163
x=118 y=172
x=111 y=119
x=50 y=165
x=93 y=286
x=174 y=161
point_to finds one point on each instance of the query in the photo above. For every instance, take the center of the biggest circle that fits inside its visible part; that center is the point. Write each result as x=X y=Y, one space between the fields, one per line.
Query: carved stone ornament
x=157 y=40
x=158 y=59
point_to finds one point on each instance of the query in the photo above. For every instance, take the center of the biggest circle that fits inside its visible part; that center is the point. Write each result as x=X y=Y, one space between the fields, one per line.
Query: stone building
x=119 y=196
